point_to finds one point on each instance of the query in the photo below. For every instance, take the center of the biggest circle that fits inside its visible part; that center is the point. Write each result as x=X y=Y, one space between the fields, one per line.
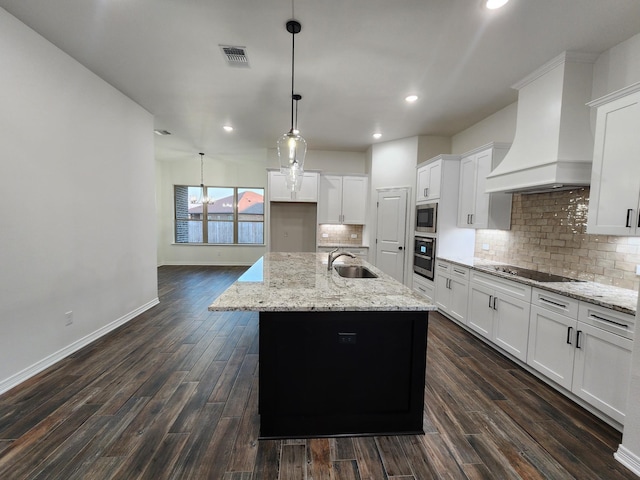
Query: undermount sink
x=533 y=274
x=354 y=271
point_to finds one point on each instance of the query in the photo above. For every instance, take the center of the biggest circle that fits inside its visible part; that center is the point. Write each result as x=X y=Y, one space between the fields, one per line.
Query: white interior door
x=391 y=232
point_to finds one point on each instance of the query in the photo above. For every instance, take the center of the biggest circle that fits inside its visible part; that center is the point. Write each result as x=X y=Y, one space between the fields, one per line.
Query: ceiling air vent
x=235 y=56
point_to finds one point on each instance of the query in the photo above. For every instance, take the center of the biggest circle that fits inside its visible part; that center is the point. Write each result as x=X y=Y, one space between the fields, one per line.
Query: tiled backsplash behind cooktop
x=548 y=233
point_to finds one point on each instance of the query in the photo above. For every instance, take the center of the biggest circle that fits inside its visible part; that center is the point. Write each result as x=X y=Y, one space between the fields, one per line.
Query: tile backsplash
x=339 y=234
x=548 y=233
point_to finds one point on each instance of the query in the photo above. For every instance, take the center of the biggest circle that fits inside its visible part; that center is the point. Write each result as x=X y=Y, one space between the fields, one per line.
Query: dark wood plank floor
x=173 y=394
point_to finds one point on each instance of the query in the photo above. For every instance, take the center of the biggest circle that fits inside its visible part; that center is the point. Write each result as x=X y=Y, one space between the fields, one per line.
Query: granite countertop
x=616 y=298
x=281 y=282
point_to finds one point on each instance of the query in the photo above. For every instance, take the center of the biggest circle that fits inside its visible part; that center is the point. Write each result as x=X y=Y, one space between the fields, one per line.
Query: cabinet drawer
x=424 y=287
x=503 y=286
x=555 y=303
x=459 y=272
x=607 y=319
x=442 y=266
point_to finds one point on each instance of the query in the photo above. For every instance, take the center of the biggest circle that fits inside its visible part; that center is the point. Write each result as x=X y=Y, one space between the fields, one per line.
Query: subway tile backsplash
x=548 y=233
x=339 y=234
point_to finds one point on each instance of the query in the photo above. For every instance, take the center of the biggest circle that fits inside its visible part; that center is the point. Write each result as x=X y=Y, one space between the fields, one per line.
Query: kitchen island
x=338 y=356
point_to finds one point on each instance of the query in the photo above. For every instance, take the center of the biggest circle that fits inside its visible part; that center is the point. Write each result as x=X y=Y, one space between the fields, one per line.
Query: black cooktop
x=532 y=274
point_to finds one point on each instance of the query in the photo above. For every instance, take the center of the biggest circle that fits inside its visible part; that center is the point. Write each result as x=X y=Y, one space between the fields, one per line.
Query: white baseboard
x=629 y=459
x=18 y=378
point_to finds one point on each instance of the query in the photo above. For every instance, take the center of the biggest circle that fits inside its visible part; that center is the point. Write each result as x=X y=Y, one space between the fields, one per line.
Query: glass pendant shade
x=292 y=148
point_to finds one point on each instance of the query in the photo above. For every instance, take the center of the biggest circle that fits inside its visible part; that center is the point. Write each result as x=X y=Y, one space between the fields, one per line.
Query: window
x=234 y=216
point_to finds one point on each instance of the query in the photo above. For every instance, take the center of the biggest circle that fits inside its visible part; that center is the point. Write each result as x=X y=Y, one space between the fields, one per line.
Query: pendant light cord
x=293 y=54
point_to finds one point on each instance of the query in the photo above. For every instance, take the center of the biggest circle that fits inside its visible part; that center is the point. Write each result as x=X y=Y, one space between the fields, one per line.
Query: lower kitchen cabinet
x=584 y=348
x=452 y=287
x=424 y=287
x=500 y=312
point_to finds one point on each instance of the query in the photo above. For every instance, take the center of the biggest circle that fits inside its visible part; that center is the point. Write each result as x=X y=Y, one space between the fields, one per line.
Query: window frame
x=205 y=221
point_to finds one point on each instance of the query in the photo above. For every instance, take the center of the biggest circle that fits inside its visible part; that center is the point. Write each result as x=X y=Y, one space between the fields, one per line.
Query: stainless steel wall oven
x=424 y=256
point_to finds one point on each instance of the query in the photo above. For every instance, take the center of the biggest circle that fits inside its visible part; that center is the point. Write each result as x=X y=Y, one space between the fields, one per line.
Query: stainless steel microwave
x=426 y=217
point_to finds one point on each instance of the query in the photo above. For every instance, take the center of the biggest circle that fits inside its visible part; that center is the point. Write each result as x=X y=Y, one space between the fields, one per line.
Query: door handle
x=628 y=223
x=569 y=329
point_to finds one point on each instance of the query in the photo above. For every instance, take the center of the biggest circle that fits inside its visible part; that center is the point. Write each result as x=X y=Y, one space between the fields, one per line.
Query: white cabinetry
x=583 y=348
x=551 y=336
x=500 y=312
x=278 y=191
x=424 y=287
x=477 y=209
x=452 y=287
x=614 y=202
x=343 y=199
x=429 y=178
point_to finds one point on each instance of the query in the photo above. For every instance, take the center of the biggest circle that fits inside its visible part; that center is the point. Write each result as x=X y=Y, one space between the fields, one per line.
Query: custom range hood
x=553 y=144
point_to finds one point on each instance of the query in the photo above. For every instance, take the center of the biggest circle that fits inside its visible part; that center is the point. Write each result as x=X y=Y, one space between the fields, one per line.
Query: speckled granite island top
x=616 y=298
x=281 y=282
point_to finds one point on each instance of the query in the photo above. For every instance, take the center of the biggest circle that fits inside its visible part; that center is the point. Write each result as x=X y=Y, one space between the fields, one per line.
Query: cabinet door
x=278 y=191
x=467 y=192
x=459 y=299
x=354 y=200
x=422 y=182
x=511 y=325
x=602 y=370
x=443 y=294
x=309 y=188
x=481 y=211
x=434 y=179
x=480 y=305
x=615 y=182
x=330 y=204
x=551 y=345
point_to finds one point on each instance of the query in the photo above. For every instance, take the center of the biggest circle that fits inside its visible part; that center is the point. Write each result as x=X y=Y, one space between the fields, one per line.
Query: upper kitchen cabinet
x=477 y=209
x=615 y=180
x=429 y=178
x=278 y=191
x=343 y=199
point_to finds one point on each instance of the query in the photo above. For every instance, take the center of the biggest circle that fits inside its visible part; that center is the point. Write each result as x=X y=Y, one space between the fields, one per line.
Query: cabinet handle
x=628 y=224
x=467 y=219
x=495 y=306
x=602 y=319
x=555 y=304
x=449 y=283
x=471 y=219
x=490 y=299
x=578 y=339
x=426 y=192
x=569 y=329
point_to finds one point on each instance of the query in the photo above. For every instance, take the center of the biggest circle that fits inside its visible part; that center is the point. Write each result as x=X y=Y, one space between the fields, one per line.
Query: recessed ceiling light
x=411 y=98
x=228 y=128
x=493 y=4
x=162 y=132
x=377 y=135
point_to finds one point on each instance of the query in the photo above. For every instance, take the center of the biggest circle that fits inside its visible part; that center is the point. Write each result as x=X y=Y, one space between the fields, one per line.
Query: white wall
x=77 y=210
x=392 y=165
x=219 y=170
x=499 y=127
x=327 y=161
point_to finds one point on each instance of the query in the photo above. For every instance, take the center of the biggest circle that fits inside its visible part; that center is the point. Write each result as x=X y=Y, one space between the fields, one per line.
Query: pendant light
x=204 y=198
x=292 y=147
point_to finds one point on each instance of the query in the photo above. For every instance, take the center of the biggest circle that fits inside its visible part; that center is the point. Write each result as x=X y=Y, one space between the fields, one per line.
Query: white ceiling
x=356 y=60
